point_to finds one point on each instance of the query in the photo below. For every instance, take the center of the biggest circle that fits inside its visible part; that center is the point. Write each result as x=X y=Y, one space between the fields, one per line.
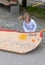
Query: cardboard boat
x=19 y=42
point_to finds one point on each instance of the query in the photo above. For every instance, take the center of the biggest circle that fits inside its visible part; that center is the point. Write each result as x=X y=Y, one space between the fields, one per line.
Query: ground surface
x=36 y=57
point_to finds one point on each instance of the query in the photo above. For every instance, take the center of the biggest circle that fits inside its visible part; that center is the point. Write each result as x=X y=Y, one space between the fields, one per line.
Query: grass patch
x=36 y=11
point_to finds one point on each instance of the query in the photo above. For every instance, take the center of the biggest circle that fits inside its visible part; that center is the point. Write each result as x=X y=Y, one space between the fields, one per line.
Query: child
x=29 y=25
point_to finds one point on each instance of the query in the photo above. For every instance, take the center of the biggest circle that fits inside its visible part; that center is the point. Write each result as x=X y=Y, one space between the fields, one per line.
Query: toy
x=19 y=42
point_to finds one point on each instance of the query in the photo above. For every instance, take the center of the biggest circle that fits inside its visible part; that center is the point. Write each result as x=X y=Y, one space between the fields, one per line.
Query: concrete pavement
x=36 y=57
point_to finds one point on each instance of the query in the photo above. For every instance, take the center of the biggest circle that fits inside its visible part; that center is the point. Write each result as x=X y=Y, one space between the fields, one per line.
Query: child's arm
x=21 y=18
x=35 y=26
x=24 y=28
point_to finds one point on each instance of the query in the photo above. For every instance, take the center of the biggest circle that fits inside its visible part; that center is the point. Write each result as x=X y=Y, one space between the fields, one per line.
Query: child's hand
x=20 y=18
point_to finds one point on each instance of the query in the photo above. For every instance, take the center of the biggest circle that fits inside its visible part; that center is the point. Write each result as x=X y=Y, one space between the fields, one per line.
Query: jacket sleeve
x=35 y=26
x=25 y=30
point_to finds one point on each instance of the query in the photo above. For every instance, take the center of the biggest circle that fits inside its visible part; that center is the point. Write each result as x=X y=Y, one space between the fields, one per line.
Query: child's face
x=27 y=19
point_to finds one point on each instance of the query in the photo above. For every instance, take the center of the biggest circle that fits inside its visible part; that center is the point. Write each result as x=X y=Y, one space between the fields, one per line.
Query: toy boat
x=19 y=42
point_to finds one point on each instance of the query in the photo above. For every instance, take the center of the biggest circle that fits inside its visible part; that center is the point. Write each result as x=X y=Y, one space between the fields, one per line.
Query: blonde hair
x=26 y=14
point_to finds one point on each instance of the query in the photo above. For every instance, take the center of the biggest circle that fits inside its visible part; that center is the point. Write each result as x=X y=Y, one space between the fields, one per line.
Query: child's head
x=27 y=17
